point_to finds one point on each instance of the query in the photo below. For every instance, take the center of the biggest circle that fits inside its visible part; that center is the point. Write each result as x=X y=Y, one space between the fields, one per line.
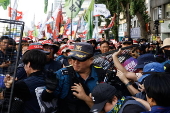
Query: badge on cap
x=78 y=47
x=126 y=39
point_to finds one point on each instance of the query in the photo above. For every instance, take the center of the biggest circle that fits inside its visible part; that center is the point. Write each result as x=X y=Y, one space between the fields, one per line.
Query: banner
x=111 y=23
x=72 y=7
x=100 y=9
x=89 y=18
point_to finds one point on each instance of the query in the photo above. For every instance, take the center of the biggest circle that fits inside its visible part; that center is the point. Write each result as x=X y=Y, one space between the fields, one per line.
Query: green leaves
x=45 y=6
x=139 y=6
x=4 y=3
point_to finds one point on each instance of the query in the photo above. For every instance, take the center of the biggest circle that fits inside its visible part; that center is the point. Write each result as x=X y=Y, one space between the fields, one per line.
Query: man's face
x=50 y=49
x=81 y=66
x=4 y=44
x=166 y=48
x=104 y=48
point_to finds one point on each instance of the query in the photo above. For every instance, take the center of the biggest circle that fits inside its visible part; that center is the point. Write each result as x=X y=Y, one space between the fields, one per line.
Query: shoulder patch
x=64 y=72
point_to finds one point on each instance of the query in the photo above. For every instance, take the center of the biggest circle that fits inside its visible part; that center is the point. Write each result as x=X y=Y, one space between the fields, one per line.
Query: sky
x=29 y=9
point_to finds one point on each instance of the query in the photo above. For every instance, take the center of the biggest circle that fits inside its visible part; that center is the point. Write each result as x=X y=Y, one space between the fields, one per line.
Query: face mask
x=167 y=53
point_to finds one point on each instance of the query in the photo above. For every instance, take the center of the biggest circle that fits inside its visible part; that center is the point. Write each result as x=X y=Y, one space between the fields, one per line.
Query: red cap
x=35 y=46
x=48 y=42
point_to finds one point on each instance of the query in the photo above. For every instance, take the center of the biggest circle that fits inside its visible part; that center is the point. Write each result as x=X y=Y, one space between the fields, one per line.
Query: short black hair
x=36 y=58
x=104 y=42
x=4 y=37
x=157 y=86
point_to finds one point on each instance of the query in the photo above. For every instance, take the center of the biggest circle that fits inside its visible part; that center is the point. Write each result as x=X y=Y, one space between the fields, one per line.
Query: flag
x=4 y=3
x=89 y=18
x=30 y=34
x=111 y=23
x=49 y=29
x=95 y=31
x=58 y=18
x=45 y=6
x=100 y=9
x=73 y=7
x=66 y=26
x=82 y=25
x=14 y=14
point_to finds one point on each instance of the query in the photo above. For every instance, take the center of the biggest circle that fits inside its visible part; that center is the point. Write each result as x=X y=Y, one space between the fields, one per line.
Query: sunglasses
x=78 y=59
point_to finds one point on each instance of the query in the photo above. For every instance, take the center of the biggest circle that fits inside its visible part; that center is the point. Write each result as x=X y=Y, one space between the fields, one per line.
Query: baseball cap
x=101 y=94
x=37 y=46
x=151 y=67
x=144 y=59
x=50 y=43
x=82 y=51
x=127 y=40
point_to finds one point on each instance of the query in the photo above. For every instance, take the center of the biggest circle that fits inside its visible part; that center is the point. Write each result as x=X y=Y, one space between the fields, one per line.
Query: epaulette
x=97 y=67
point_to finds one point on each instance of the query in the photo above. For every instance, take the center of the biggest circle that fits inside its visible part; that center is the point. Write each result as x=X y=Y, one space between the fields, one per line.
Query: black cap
x=127 y=40
x=101 y=94
x=82 y=51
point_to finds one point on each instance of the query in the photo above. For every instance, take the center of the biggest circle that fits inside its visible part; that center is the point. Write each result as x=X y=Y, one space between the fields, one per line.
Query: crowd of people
x=82 y=77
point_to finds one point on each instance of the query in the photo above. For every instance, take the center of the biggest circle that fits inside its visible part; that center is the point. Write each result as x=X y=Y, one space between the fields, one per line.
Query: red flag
x=30 y=34
x=16 y=15
x=58 y=20
x=49 y=29
x=111 y=23
x=66 y=26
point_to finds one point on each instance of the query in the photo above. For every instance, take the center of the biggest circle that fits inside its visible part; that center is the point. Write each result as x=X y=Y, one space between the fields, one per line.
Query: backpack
x=129 y=101
x=46 y=107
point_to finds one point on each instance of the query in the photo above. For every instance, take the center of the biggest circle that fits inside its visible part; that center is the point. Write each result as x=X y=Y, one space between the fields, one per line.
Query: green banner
x=73 y=7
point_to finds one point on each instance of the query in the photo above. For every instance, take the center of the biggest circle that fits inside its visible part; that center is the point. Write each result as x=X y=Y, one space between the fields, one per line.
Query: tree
x=113 y=8
x=129 y=8
x=138 y=8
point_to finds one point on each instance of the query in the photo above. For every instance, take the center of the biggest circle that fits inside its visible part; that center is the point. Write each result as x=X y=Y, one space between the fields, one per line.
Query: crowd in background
x=130 y=76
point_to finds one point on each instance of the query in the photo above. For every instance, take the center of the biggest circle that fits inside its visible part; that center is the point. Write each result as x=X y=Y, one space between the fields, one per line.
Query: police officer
x=75 y=82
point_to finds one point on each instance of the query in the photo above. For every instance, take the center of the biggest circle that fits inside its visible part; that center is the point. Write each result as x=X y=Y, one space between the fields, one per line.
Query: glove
x=51 y=80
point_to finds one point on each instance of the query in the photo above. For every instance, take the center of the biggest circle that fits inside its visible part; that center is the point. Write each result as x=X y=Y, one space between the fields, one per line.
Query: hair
x=12 y=42
x=4 y=37
x=36 y=58
x=157 y=86
x=104 y=42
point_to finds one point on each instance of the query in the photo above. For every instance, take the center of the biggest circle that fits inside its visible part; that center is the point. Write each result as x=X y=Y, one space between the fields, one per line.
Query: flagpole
x=51 y=16
x=71 y=19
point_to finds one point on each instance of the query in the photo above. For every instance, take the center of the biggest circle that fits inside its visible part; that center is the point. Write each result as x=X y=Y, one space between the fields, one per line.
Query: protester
x=4 y=56
x=157 y=88
x=166 y=50
x=51 y=63
x=76 y=81
x=106 y=99
x=34 y=62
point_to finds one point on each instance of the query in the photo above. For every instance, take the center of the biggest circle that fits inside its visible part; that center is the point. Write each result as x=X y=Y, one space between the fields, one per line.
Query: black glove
x=51 y=80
